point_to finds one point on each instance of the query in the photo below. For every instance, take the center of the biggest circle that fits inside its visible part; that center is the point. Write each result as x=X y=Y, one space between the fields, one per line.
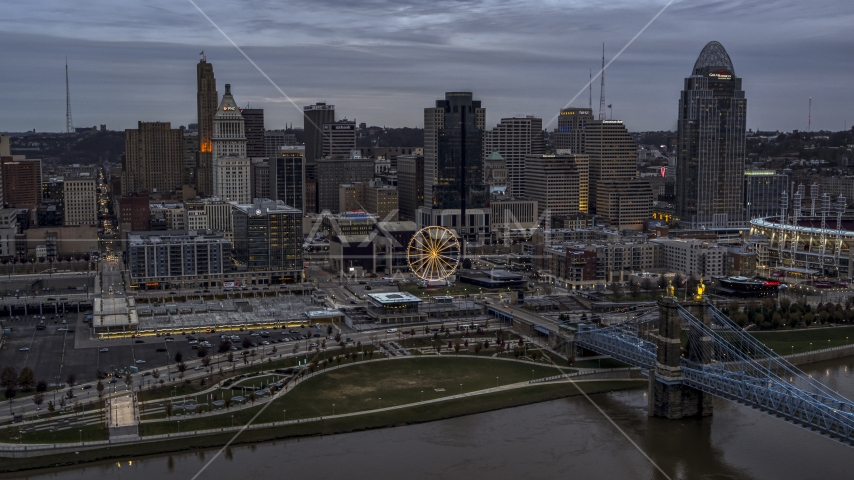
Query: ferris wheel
x=433 y=253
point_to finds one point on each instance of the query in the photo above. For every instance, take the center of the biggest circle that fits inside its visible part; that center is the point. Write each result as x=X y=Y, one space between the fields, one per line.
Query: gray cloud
x=383 y=61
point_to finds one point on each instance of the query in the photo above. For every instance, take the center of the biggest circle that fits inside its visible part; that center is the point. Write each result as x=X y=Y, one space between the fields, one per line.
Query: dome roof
x=713 y=56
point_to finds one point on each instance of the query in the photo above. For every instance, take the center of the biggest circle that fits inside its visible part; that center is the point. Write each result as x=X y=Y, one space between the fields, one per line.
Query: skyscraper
x=287 y=176
x=268 y=240
x=22 y=181
x=273 y=139
x=569 y=134
x=206 y=103
x=711 y=143
x=154 y=158
x=232 y=179
x=315 y=116
x=514 y=138
x=339 y=137
x=555 y=182
x=253 y=119
x=81 y=201
x=454 y=191
x=613 y=155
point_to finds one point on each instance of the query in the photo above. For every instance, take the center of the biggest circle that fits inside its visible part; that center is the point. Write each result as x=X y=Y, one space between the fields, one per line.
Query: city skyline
x=146 y=67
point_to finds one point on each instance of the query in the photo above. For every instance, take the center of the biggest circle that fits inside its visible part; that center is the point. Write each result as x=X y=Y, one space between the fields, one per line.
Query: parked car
x=104 y=350
x=24 y=349
x=391 y=330
x=140 y=362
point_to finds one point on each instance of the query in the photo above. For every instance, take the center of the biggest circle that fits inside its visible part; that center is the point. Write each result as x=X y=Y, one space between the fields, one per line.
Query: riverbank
x=402 y=415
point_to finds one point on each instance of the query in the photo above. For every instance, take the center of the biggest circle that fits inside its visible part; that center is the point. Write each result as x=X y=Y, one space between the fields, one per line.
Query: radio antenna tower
x=809 y=117
x=69 y=125
x=590 y=101
x=602 y=86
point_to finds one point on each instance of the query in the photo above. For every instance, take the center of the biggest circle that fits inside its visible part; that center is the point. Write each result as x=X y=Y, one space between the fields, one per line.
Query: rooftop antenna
x=602 y=86
x=590 y=102
x=809 y=117
x=69 y=125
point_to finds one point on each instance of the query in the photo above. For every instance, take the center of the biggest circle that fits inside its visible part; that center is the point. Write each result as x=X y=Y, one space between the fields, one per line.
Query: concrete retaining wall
x=820 y=355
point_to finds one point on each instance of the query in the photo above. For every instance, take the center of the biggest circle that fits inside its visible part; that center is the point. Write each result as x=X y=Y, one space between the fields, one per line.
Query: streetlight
x=179 y=424
x=333 y=409
x=496 y=382
x=232 y=421
x=284 y=415
x=461 y=389
x=379 y=403
x=81 y=435
x=422 y=395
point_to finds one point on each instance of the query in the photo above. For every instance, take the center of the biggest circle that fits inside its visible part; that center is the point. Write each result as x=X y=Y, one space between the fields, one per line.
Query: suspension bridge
x=693 y=352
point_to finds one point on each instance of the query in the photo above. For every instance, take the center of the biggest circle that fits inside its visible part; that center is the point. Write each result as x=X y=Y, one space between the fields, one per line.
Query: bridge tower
x=668 y=396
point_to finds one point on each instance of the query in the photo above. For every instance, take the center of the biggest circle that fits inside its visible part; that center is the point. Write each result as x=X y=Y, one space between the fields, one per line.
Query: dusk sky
x=383 y=61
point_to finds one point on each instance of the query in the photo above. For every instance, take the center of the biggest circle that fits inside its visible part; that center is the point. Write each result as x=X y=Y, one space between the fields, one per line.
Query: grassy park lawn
x=786 y=342
x=372 y=385
x=89 y=433
x=415 y=414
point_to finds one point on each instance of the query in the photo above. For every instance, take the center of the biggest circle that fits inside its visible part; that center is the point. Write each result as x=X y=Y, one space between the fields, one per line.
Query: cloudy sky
x=383 y=61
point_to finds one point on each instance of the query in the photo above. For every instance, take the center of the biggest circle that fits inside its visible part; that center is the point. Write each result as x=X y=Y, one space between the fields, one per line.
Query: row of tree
x=770 y=314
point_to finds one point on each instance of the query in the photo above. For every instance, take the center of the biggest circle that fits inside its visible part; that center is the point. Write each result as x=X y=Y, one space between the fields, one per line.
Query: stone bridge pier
x=668 y=396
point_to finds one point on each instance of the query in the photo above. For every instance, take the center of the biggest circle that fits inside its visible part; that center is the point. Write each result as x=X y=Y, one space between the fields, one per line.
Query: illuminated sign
x=308 y=108
x=339 y=127
x=721 y=75
x=612 y=121
x=229 y=109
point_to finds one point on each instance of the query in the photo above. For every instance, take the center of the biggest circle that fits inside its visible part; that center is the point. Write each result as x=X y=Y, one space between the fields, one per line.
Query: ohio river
x=567 y=438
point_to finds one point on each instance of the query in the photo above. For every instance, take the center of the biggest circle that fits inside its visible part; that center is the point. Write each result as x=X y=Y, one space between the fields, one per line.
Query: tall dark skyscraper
x=314 y=117
x=287 y=176
x=711 y=143
x=455 y=179
x=455 y=193
x=254 y=127
x=207 y=103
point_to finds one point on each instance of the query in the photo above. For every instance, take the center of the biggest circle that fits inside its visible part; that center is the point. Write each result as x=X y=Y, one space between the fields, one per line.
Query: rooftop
x=394 y=297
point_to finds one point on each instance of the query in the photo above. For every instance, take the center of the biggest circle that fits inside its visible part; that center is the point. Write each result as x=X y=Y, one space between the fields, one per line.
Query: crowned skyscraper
x=711 y=144
x=231 y=167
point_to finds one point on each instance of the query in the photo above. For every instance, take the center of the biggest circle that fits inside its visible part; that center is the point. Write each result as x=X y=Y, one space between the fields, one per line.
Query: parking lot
x=54 y=354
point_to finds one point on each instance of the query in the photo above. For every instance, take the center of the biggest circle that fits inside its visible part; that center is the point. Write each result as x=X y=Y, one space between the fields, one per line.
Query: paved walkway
x=124 y=416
